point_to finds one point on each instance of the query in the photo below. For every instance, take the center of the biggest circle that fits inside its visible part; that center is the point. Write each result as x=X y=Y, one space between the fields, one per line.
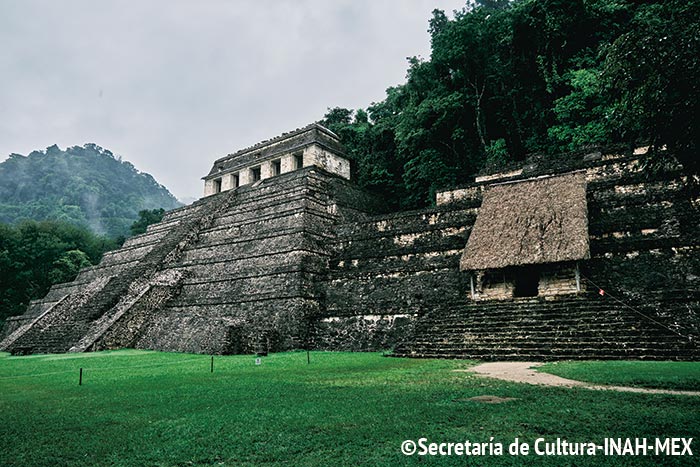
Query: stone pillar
x=208 y=187
x=244 y=177
x=266 y=170
x=287 y=163
x=226 y=182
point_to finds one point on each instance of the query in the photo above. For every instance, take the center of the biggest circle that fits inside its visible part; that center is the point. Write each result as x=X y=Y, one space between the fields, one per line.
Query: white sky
x=173 y=85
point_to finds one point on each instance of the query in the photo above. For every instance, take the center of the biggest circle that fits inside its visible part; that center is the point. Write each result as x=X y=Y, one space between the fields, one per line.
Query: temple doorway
x=527 y=282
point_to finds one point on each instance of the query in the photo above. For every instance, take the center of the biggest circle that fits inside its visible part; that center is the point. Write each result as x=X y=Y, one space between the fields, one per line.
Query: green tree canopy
x=508 y=79
x=35 y=255
x=146 y=218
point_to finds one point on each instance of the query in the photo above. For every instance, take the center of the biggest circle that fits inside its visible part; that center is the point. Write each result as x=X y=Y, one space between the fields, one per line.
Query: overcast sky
x=173 y=85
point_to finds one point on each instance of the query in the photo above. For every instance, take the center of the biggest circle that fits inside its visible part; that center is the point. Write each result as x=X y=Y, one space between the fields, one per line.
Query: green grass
x=140 y=408
x=657 y=375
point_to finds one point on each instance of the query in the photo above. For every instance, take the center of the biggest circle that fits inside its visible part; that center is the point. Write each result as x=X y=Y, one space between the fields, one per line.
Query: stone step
x=214 y=239
x=377 y=251
x=253 y=297
x=535 y=340
x=536 y=307
x=474 y=327
x=457 y=316
x=101 y=270
x=637 y=354
x=184 y=211
x=127 y=254
x=348 y=269
x=145 y=238
x=232 y=231
x=241 y=287
x=53 y=329
x=542 y=332
x=407 y=222
x=163 y=227
x=253 y=197
x=524 y=316
x=588 y=325
x=528 y=341
x=240 y=251
x=283 y=207
x=592 y=349
x=224 y=268
x=551 y=348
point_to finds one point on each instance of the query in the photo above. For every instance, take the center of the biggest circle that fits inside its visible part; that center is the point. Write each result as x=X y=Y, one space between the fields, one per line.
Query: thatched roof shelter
x=535 y=221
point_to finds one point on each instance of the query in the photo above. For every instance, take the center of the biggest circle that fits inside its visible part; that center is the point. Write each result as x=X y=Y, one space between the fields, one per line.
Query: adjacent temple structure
x=586 y=256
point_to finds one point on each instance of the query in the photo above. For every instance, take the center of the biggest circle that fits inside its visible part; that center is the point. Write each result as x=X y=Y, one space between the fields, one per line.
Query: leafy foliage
x=507 y=79
x=67 y=266
x=86 y=186
x=35 y=255
x=583 y=115
x=653 y=71
x=146 y=218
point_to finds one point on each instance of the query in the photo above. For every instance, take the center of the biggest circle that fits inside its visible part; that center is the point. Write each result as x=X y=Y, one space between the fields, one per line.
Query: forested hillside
x=508 y=79
x=86 y=186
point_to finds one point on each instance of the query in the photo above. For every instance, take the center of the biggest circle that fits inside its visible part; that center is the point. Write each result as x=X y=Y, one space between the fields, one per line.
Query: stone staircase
x=55 y=314
x=582 y=327
x=75 y=323
x=136 y=292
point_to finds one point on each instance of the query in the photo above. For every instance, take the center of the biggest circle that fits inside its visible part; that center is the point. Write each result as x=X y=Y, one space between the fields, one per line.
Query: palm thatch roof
x=542 y=220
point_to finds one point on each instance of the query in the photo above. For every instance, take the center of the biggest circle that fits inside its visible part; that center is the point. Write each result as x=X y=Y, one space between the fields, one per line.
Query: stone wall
x=388 y=274
x=387 y=270
x=320 y=157
x=559 y=279
x=494 y=285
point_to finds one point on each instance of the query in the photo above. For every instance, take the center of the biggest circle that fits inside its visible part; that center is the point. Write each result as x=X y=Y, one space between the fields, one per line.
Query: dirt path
x=523 y=372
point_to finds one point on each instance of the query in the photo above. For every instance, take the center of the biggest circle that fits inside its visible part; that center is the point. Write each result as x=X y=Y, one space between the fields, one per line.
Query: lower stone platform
x=581 y=327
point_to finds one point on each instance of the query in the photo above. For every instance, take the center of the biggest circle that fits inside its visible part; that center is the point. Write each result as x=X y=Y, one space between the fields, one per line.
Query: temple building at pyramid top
x=312 y=145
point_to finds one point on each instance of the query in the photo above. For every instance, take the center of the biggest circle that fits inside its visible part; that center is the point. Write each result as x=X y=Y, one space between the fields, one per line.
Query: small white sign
x=258 y=361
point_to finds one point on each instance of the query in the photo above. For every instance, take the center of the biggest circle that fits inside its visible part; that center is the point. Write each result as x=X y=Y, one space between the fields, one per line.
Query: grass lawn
x=658 y=375
x=139 y=408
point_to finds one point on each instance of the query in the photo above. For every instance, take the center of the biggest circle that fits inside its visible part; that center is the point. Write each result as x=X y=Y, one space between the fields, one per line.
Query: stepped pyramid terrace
x=587 y=256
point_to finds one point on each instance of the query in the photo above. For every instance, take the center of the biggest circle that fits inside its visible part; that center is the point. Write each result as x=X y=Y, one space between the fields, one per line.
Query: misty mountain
x=86 y=186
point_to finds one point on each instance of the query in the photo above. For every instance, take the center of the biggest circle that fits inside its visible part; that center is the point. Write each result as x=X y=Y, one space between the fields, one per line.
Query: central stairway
x=583 y=327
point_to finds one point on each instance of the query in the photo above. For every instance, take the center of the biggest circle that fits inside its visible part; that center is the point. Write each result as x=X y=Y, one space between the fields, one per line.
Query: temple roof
x=271 y=148
x=535 y=221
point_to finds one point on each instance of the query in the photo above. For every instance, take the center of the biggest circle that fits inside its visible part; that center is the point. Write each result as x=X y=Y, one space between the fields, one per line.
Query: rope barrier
x=605 y=292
